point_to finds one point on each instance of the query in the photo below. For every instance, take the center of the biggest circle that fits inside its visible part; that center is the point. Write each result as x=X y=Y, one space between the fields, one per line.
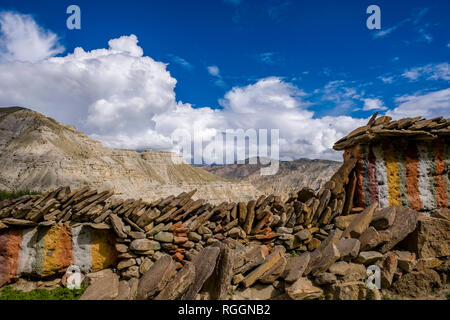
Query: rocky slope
x=38 y=153
x=291 y=176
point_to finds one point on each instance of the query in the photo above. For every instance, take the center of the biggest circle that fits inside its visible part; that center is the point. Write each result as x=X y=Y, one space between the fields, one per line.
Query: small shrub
x=4 y=195
x=294 y=254
x=448 y=295
x=370 y=295
x=59 y=293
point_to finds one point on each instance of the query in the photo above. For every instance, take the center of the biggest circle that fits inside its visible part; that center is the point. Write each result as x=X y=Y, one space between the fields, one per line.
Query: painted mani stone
x=400 y=172
x=45 y=251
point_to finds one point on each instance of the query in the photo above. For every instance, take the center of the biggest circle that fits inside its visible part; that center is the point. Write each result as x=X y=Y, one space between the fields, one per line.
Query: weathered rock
x=257 y=292
x=295 y=267
x=325 y=278
x=430 y=239
x=303 y=234
x=417 y=284
x=126 y=263
x=178 y=286
x=406 y=260
x=332 y=238
x=303 y=289
x=130 y=273
x=268 y=263
x=405 y=222
x=369 y=257
x=352 y=290
x=238 y=278
x=427 y=263
x=204 y=264
x=219 y=282
x=275 y=272
x=164 y=237
x=361 y=222
x=383 y=218
x=156 y=278
x=127 y=289
x=248 y=258
x=104 y=288
x=142 y=245
x=329 y=256
x=343 y=222
x=314 y=258
x=388 y=265
x=348 y=248
x=370 y=239
x=117 y=225
x=145 y=265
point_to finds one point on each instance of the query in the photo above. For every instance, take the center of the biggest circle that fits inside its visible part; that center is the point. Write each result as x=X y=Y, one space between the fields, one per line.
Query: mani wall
x=42 y=235
x=404 y=162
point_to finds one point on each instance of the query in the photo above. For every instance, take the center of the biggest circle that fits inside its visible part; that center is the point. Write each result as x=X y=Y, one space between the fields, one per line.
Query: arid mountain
x=39 y=153
x=291 y=176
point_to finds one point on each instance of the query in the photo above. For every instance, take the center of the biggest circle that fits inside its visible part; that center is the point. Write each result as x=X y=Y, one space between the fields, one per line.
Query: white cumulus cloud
x=429 y=105
x=21 y=39
x=126 y=99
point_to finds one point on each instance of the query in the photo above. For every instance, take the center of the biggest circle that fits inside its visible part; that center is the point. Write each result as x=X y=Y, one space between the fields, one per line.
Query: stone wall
x=398 y=171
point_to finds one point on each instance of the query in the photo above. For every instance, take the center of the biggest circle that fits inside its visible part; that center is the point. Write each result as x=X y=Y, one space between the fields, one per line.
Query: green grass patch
x=41 y=294
x=370 y=295
x=4 y=195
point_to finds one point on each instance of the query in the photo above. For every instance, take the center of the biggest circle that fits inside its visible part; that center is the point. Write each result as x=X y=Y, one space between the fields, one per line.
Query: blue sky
x=333 y=64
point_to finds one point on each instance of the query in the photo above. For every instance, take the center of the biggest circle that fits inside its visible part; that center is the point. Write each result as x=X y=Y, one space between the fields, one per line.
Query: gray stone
x=104 y=288
x=295 y=267
x=156 y=278
x=140 y=245
x=204 y=264
x=348 y=247
x=178 y=286
x=303 y=289
x=368 y=257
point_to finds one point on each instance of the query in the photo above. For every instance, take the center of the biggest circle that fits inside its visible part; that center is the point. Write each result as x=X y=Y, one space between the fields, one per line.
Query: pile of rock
x=337 y=269
x=181 y=226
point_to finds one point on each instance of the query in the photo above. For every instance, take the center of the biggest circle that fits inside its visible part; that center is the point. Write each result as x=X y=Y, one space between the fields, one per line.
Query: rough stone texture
x=405 y=222
x=417 y=284
x=257 y=292
x=156 y=278
x=275 y=272
x=348 y=248
x=303 y=289
x=361 y=222
x=325 y=278
x=329 y=256
x=268 y=263
x=343 y=222
x=219 y=282
x=370 y=239
x=178 y=286
x=383 y=218
x=368 y=257
x=406 y=260
x=105 y=288
x=295 y=267
x=431 y=238
x=353 y=290
x=204 y=263
x=388 y=265
x=249 y=257
x=142 y=245
x=127 y=289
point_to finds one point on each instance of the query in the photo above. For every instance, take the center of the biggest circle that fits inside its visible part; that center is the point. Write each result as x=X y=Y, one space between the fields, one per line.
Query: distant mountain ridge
x=39 y=153
x=291 y=176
